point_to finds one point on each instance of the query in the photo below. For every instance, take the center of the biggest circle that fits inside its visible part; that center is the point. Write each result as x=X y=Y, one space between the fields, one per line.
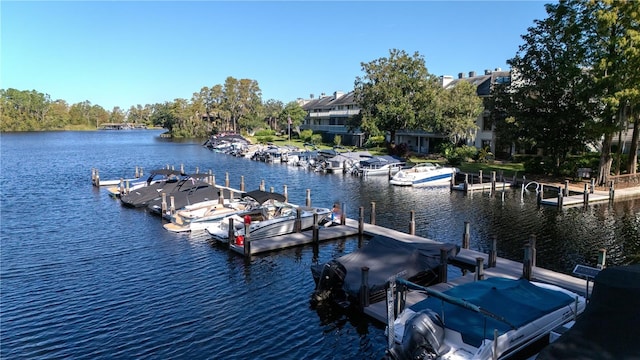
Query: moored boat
x=496 y=318
x=272 y=218
x=424 y=174
x=380 y=165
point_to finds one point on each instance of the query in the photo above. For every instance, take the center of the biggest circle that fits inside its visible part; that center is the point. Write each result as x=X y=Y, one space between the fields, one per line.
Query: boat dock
x=294 y=239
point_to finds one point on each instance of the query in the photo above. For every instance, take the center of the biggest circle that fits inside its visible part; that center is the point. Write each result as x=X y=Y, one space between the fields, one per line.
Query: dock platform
x=295 y=239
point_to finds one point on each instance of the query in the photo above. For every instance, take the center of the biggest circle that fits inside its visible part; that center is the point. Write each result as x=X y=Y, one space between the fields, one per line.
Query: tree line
x=234 y=106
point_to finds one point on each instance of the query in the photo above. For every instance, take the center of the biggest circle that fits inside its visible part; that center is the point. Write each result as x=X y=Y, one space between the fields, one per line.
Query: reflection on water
x=83 y=277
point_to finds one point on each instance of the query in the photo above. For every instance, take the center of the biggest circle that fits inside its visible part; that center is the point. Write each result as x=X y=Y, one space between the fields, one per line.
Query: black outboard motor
x=330 y=282
x=423 y=338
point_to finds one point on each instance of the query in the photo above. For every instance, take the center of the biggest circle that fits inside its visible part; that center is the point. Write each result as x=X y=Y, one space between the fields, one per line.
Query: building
x=328 y=115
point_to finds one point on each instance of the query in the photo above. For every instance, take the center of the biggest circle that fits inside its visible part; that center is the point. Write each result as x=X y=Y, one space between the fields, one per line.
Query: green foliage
x=306 y=135
x=265 y=133
x=337 y=140
x=316 y=139
x=394 y=93
x=456 y=155
x=484 y=155
x=374 y=141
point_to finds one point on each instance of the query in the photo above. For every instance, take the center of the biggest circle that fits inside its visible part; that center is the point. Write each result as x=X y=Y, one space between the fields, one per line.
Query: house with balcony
x=328 y=115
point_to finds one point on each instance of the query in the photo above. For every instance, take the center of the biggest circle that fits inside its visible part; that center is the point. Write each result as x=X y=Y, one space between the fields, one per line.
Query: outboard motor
x=330 y=283
x=423 y=338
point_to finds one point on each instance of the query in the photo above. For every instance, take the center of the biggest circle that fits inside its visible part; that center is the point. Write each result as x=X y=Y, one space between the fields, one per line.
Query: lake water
x=83 y=277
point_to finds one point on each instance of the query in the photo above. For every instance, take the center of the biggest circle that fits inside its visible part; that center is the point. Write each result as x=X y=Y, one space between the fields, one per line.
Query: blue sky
x=121 y=53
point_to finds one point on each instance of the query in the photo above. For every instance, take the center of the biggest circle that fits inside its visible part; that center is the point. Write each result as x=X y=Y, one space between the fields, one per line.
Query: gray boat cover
x=386 y=257
x=609 y=328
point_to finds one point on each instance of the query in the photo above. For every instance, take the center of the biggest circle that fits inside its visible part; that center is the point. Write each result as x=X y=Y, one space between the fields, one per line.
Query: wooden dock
x=503 y=268
x=294 y=239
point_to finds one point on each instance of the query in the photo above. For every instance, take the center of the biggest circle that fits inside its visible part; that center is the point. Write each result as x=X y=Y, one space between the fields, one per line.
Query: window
x=486 y=123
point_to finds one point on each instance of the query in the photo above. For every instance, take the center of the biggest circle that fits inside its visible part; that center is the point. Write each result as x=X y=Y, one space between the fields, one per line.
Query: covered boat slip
x=608 y=328
x=383 y=257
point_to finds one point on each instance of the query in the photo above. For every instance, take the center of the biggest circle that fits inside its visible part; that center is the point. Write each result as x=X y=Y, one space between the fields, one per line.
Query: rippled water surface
x=84 y=278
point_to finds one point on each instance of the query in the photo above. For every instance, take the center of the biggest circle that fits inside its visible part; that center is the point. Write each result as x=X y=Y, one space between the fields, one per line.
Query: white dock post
x=226 y=179
x=242 y=183
x=164 y=203
x=309 y=197
x=412 y=222
x=586 y=195
x=172 y=208
x=284 y=192
x=373 y=213
x=602 y=258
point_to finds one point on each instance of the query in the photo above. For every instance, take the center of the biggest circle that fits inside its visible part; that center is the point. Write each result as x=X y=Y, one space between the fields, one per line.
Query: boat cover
x=517 y=301
x=263 y=196
x=608 y=328
x=386 y=257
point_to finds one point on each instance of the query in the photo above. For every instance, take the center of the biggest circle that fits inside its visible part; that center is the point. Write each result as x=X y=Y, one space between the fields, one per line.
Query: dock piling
x=181 y=168
x=493 y=181
x=364 y=287
x=480 y=176
x=164 y=203
x=298 y=224
x=602 y=258
x=242 y=183
x=566 y=188
x=172 y=206
x=412 y=222
x=343 y=216
x=137 y=173
x=284 y=192
x=532 y=243
x=479 y=269
x=262 y=185
x=247 y=241
x=444 y=260
x=493 y=252
x=373 y=213
x=315 y=235
x=226 y=179
x=560 y=198
x=308 y=197
x=527 y=269
x=231 y=232
x=586 y=195
x=466 y=236
x=361 y=221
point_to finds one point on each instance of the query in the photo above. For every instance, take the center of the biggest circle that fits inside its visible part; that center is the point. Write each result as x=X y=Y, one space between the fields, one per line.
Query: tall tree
x=613 y=49
x=548 y=100
x=272 y=109
x=460 y=108
x=393 y=92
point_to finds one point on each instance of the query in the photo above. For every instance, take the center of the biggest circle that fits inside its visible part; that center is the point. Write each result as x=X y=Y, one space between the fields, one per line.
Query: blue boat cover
x=517 y=301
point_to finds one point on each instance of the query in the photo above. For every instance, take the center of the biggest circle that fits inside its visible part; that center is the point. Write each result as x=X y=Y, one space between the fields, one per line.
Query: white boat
x=495 y=318
x=156 y=176
x=380 y=165
x=424 y=174
x=203 y=214
x=273 y=218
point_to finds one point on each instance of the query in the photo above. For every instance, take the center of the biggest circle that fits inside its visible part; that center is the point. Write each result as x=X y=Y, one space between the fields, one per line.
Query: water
x=84 y=278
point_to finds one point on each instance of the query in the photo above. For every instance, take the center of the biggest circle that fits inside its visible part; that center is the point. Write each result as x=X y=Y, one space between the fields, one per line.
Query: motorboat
x=339 y=280
x=143 y=196
x=272 y=218
x=380 y=165
x=187 y=192
x=424 y=174
x=496 y=318
x=201 y=215
x=156 y=176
